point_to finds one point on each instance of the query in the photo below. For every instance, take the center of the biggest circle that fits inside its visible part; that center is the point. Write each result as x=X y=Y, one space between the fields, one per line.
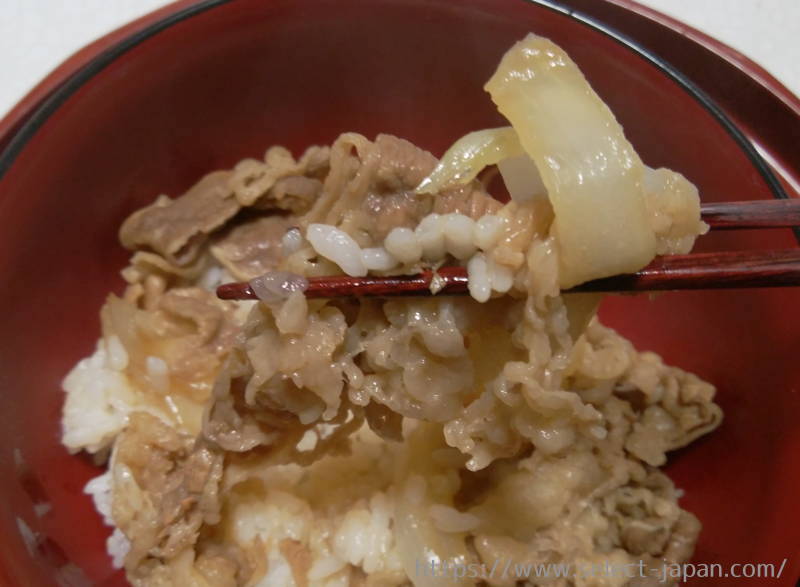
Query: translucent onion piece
x=522 y=178
x=277 y=286
x=592 y=174
x=468 y=156
x=419 y=542
x=674 y=206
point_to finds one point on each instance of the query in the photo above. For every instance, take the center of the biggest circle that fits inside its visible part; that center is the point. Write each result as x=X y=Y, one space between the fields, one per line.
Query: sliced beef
x=253 y=248
x=165 y=489
x=177 y=228
x=370 y=188
x=280 y=182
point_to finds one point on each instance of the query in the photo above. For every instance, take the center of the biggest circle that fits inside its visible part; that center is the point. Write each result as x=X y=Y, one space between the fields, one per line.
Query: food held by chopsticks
x=347 y=440
x=735 y=269
x=598 y=210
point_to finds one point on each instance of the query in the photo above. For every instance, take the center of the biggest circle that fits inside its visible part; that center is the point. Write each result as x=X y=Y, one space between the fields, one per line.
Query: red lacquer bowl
x=194 y=87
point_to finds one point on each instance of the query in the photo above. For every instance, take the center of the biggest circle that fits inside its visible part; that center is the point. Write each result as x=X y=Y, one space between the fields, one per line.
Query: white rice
x=364 y=536
x=118 y=546
x=99 y=489
x=480 y=285
x=434 y=237
x=98 y=401
x=277 y=516
x=378 y=259
x=449 y=519
x=501 y=276
x=402 y=243
x=291 y=242
x=458 y=235
x=487 y=230
x=337 y=246
x=430 y=234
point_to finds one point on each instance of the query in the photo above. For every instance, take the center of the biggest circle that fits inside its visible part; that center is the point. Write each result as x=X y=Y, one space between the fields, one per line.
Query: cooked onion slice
x=674 y=206
x=422 y=545
x=522 y=178
x=469 y=155
x=592 y=174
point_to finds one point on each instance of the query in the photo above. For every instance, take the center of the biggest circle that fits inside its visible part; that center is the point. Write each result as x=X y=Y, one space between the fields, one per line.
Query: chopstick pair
x=731 y=269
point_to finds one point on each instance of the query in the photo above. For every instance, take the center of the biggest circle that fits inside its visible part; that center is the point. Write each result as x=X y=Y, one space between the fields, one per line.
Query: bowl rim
x=18 y=133
x=730 y=55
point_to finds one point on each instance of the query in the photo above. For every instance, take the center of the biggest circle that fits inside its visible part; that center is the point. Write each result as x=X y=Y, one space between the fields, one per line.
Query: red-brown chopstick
x=734 y=269
x=754 y=214
x=696 y=271
x=726 y=270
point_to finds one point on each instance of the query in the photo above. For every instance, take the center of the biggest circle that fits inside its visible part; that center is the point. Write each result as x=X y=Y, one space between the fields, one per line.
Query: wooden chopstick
x=732 y=269
x=726 y=270
x=754 y=214
x=735 y=269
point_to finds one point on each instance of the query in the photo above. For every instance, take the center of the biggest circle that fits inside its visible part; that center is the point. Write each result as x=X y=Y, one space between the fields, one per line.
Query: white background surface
x=37 y=35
